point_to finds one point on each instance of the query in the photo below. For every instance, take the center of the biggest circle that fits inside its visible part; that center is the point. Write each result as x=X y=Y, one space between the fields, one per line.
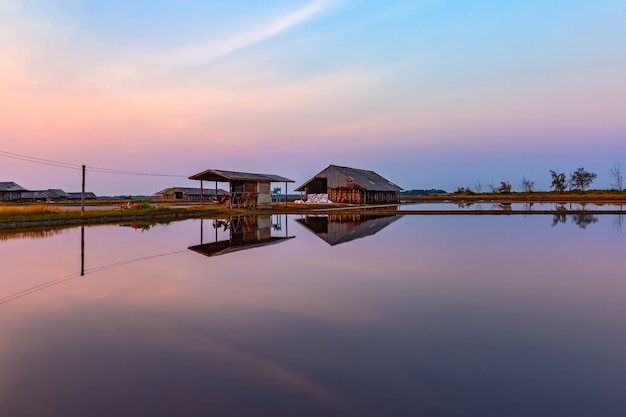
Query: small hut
x=245 y=189
x=189 y=194
x=352 y=186
x=10 y=191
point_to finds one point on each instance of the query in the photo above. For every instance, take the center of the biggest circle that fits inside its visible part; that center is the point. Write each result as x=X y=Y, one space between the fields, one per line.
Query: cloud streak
x=153 y=66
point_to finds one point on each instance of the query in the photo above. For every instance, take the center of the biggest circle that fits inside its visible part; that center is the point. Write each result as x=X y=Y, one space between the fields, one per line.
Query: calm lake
x=454 y=315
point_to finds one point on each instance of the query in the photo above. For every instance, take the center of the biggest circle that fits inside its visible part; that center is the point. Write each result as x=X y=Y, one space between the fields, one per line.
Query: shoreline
x=74 y=218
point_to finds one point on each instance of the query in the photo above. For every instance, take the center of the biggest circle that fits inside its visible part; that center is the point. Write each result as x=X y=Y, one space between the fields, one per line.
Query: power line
x=68 y=165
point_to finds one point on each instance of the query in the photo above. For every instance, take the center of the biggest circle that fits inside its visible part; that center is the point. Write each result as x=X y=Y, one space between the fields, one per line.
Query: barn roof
x=10 y=186
x=226 y=176
x=368 y=180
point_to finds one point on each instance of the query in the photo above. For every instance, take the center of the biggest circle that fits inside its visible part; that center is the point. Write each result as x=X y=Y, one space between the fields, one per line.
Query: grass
x=536 y=196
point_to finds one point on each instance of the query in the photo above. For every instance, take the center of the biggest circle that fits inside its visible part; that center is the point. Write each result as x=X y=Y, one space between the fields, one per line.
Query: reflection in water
x=341 y=228
x=420 y=320
x=242 y=232
x=580 y=219
x=8 y=234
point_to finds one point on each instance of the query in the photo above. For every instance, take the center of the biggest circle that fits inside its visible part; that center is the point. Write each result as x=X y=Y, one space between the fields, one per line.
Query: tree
x=527 y=185
x=478 y=187
x=581 y=179
x=616 y=174
x=559 y=181
x=505 y=187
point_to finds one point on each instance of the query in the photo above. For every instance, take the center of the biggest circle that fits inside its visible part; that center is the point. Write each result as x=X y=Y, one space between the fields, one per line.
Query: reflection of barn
x=245 y=189
x=10 y=191
x=351 y=185
x=341 y=228
x=189 y=194
x=244 y=232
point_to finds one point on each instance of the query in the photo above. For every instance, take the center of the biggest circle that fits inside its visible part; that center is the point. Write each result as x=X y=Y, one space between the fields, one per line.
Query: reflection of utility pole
x=82 y=251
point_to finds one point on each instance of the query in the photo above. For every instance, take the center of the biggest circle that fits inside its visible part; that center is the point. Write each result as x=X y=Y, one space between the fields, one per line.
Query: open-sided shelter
x=352 y=186
x=245 y=189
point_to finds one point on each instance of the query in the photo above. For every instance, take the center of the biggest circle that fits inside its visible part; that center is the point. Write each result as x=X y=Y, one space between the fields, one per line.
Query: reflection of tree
x=528 y=206
x=560 y=216
x=465 y=204
x=617 y=223
x=503 y=206
x=583 y=220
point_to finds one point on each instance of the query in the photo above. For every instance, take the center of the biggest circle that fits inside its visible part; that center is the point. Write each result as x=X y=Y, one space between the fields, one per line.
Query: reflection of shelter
x=245 y=232
x=351 y=185
x=245 y=189
x=189 y=194
x=341 y=228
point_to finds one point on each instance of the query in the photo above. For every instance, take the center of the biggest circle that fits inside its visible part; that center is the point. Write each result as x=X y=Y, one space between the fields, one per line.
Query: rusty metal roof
x=368 y=180
x=227 y=176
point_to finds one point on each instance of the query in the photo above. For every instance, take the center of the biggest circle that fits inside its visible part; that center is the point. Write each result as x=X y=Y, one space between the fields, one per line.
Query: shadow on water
x=342 y=228
x=241 y=233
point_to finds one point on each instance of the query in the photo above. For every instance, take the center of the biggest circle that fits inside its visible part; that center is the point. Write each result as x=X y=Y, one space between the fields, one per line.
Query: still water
x=310 y=316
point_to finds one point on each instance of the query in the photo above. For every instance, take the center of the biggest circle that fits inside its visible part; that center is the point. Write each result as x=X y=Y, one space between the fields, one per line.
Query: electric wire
x=65 y=278
x=68 y=165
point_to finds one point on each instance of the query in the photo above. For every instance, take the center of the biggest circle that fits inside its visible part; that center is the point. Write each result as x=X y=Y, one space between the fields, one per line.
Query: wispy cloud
x=153 y=65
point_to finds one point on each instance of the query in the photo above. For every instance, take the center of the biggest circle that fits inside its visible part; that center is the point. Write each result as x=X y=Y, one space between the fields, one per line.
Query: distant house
x=352 y=186
x=78 y=195
x=189 y=194
x=10 y=191
x=245 y=189
x=54 y=194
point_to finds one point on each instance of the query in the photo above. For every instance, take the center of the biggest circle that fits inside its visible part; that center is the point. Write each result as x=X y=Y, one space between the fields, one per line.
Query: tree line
x=579 y=180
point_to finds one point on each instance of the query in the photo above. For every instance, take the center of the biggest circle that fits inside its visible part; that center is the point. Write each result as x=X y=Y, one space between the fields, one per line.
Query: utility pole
x=82 y=195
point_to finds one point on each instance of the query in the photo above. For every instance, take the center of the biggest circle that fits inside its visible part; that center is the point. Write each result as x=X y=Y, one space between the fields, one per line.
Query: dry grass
x=29 y=210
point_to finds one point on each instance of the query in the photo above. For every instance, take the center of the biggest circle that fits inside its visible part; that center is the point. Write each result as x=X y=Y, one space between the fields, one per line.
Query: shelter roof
x=227 y=176
x=10 y=186
x=225 y=246
x=368 y=180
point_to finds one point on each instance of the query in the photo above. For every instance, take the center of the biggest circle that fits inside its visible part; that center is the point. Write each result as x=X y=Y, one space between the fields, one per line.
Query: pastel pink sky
x=427 y=94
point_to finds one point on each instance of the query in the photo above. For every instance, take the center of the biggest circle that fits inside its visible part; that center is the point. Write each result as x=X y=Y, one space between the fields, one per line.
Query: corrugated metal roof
x=368 y=180
x=225 y=176
x=10 y=186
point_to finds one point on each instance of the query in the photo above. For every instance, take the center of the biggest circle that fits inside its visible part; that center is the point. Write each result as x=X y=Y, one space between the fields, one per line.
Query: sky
x=428 y=93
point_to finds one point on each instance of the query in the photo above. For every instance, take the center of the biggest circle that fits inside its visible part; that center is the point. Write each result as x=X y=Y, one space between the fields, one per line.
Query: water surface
x=403 y=316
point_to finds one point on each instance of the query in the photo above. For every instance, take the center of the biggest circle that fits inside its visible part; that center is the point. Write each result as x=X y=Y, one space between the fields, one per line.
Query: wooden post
x=201 y=194
x=216 y=196
x=82 y=195
x=286 y=193
x=230 y=199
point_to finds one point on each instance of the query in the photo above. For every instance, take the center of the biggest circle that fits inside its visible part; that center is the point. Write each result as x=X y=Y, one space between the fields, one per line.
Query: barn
x=352 y=186
x=246 y=189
